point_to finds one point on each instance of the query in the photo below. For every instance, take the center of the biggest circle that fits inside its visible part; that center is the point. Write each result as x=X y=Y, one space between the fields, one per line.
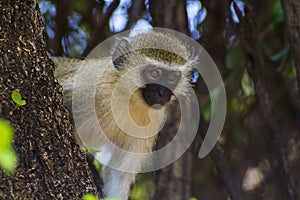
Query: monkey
x=154 y=75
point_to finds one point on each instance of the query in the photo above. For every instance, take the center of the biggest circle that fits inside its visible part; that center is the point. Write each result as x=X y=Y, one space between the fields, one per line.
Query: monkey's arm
x=65 y=72
x=117 y=183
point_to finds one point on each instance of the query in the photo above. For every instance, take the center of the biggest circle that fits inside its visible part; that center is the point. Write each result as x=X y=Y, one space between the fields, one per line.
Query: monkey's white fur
x=117 y=183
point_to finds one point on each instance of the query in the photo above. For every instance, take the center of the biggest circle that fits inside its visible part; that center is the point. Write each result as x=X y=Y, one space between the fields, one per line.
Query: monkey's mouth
x=156 y=94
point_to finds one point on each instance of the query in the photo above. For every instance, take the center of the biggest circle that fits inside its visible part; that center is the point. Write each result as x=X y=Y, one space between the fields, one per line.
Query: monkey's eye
x=155 y=73
x=173 y=76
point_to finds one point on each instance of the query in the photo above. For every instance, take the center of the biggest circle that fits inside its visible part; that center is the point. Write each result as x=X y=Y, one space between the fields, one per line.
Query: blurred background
x=257 y=155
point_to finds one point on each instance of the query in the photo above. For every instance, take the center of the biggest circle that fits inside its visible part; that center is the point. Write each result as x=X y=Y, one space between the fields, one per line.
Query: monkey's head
x=164 y=64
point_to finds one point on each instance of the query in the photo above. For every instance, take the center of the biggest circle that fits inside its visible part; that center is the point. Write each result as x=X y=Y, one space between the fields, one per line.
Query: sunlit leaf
x=94 y=150
x=89 y=197
x=6 y=134
x=143 y=190
x=290 y=70
x=92 y=197
x=22 y=103
x=91 y=150
x=16 y=97
x=8 y=160
x=247 y=84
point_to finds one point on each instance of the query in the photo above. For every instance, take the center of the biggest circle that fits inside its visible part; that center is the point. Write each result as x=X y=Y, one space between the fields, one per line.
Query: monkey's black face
x=156 y=94
x=159 y=83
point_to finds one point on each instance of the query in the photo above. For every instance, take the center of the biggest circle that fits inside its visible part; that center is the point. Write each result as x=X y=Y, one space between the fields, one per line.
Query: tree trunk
x=51 y=165
x=170 y=14
x=174 y=181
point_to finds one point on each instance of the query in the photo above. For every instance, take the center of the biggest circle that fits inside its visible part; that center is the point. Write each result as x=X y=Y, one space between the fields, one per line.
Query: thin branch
x=222 y=166
x=291 y=10
x=99 y=28
x=136 y=10
x=61 y=21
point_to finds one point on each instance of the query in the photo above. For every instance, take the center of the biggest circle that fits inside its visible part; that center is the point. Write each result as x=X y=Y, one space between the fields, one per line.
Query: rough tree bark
x=51 y=165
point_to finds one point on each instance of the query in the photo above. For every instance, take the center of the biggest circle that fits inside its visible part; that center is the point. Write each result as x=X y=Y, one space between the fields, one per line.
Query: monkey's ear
x=121 y=52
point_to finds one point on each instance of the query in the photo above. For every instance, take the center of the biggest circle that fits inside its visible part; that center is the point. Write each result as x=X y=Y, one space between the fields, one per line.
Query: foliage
x=8 y=157
x=89 y=197
x=143 y=190
x=92 y=197
x=17 y=98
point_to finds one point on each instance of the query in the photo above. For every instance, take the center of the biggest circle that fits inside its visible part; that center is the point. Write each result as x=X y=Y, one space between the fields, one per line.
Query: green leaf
x=89 y=197
x=8 y=160
x=238 y=106
x=6 y=134
x=22 y=103
x=143 y=190
x=92 y=197
x=280 y=54
x=247 y=84
x=91 y=150
x=16 y=97
x=277 y=12
x=233 y=56
x=94 y=150
x=206 y=110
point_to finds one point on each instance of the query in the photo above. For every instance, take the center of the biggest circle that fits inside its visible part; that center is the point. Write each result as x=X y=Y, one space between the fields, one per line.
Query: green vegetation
x=17 y=98
x=92 y=197
x=8 y=157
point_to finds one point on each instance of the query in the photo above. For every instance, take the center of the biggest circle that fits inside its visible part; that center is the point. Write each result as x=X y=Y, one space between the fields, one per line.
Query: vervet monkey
x=136 y=62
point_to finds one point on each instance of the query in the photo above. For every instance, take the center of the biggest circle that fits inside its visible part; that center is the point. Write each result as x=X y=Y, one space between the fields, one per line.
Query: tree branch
x=61 y=26
x=96 y=36
x=222 y=166
x=136 y=10
x=291 y=10
x=272 y=100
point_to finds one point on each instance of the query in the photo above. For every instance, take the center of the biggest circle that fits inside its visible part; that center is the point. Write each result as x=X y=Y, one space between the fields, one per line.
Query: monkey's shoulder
x=67 y=67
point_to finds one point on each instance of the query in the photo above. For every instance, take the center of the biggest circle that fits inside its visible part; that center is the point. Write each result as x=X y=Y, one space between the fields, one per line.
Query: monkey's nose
x=156 y=94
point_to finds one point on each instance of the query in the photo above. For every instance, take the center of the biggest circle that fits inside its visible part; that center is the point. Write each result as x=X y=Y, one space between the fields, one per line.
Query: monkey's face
x=161 y=65
x=159 y=85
